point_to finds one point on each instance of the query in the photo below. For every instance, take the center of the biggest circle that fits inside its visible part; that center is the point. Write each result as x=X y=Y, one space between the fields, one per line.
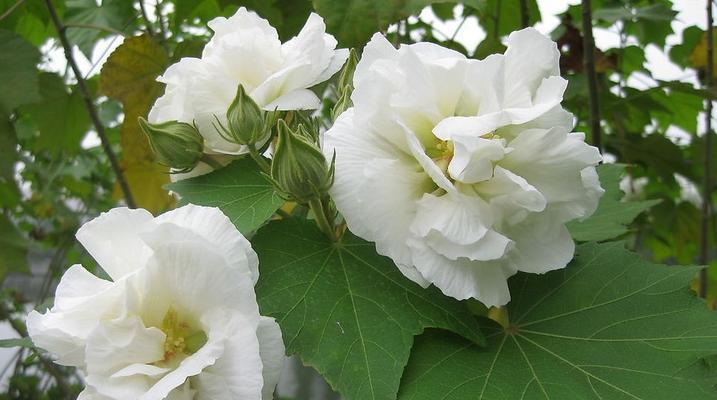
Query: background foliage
x=54 y=175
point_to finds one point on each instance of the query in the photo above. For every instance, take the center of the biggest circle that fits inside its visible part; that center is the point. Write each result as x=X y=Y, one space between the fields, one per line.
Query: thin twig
x=11 y=9
x=458 y=28
x=707 y=183
x=147 y=23
x=90 y=105
x=160 y=19
x=589 y=63
x=524 y=14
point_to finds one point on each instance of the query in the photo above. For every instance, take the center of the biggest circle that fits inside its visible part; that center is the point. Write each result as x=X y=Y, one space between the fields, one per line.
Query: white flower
x=246 y=50
x=177 y=320
x=463 y=171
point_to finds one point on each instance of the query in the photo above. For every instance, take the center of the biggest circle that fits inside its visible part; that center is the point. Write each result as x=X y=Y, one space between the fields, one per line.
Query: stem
x=524 y=14
x=147 y=24
x=211 y=162
x=589 y=63
x=317 y=206
x=89 y=104
x=707 y=182
x=11 y=9
x=260 y=160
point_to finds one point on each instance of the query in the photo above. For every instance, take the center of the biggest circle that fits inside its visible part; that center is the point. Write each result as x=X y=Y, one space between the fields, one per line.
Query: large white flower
x=463 y=171
x=246 y=50
x=178 y=319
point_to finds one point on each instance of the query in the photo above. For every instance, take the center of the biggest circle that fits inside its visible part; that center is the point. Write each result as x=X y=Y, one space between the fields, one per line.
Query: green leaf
x=609 y=326
x=20 y=342
x=239 y=190
x=347 y=311
x=61 y=117
x=612 y=216
x=13 y=249
x=18 y=72
x=95 y=20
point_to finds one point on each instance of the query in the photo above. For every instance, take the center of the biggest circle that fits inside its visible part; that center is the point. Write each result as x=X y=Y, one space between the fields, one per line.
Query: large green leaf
x=61 y=117
x=612 y=215
x=345 y=310
x=609 y=326
x=238 y=189
x=18 y=71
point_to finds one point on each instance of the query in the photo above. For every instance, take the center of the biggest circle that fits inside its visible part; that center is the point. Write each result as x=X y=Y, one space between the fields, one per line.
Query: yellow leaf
x=698 y=57
x=129 y=75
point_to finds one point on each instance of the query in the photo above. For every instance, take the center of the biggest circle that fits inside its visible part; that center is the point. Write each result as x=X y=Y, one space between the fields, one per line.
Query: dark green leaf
x=18 y=72
x=612 y=216
x=238 y=189
x=345 y=310
x=61 y=117
x=609 y=326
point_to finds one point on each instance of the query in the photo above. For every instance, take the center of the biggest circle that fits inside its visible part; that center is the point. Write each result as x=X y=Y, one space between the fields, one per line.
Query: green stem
x=260 y=160
x=326 y=226
x=206 y=159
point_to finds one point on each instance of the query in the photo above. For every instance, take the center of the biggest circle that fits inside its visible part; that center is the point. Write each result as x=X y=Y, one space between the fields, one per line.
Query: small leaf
x=239 y=190
x=61 y=117
x=347 y=311
x=92 y=18
x=18 y=71
x=20 y=342
x=609 y=326
x=13 y=249
x=129 y=76
x=612 y=216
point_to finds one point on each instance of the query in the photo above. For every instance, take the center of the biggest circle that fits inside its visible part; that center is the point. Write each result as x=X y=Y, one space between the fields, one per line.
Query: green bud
x=248 y=124
x=345 y=86
x=175 y=144
x=347 y=72
x=299 y=169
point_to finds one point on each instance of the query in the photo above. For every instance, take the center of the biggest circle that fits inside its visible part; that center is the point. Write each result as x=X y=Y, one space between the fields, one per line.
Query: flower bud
x=248 y=124
x=177 y=145
x=345 y=86
x=299 y=169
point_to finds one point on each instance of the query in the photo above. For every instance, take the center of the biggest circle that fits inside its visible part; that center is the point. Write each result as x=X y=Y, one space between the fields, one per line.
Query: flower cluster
x=178 y=319
x=245 y=50
x=463 y=171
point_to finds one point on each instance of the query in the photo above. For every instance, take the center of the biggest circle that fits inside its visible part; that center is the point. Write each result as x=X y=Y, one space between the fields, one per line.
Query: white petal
x=529 y=58
x=112 y=239
x=511 y=195
x=237 y=374
x=300 y=99
x=118 y=343
x=271 y=350
x=80 y=302
x=428 y=165
x=458 y=227
x=542 y=244
x=473 y=158
x=486 y=281
x=552 y=161
x=214 y=226
x=375 y=182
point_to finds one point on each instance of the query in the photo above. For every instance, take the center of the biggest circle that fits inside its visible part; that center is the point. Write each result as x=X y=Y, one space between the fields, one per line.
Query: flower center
x=181 y=337
x=441 y=153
